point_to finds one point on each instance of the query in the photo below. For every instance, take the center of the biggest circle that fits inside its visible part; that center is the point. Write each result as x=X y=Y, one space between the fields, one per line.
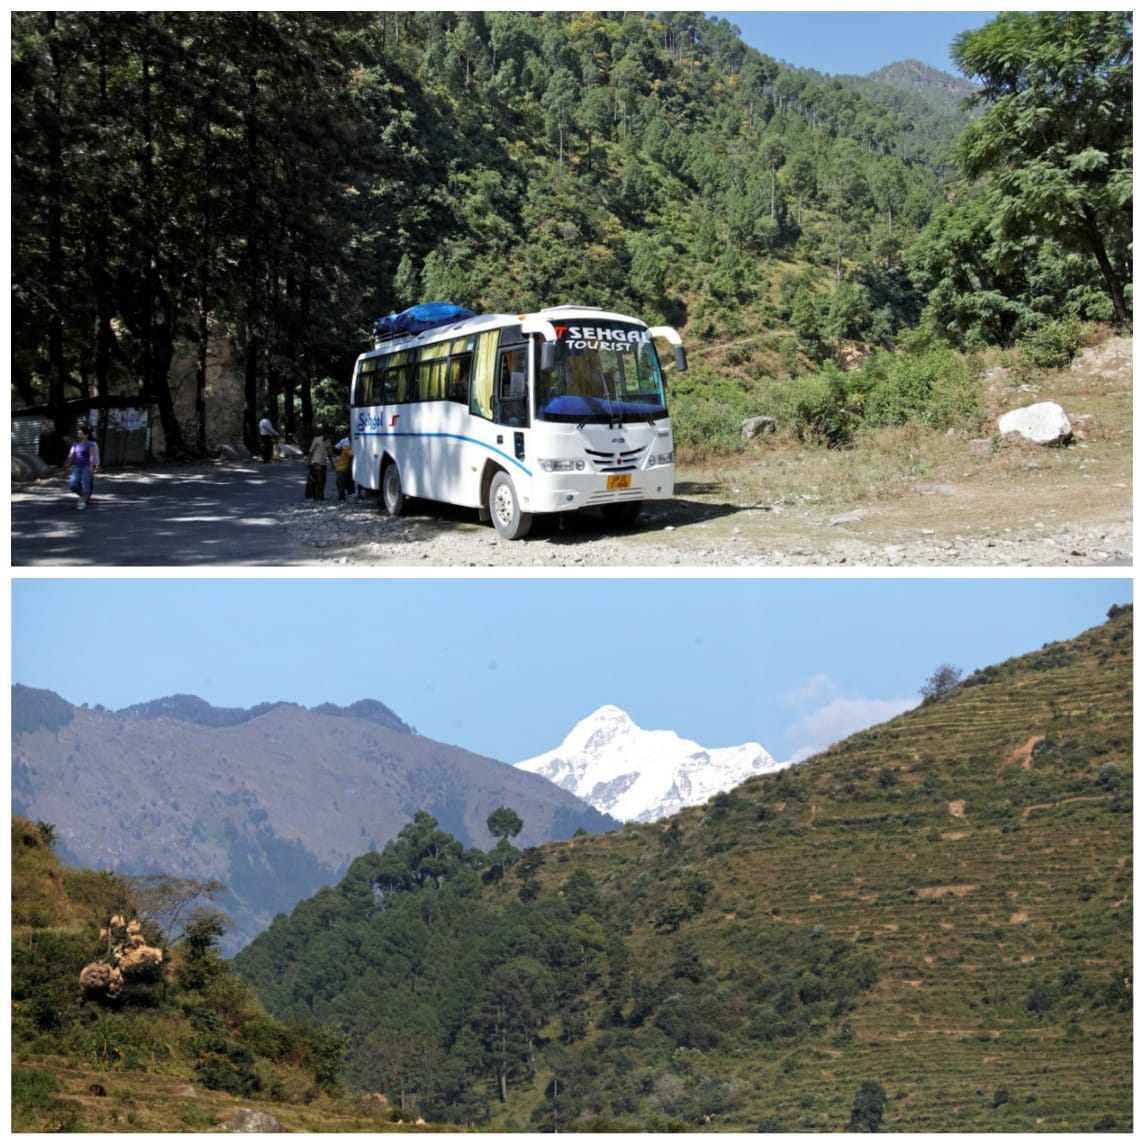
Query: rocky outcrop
x=752 y=427
x=252 y=1121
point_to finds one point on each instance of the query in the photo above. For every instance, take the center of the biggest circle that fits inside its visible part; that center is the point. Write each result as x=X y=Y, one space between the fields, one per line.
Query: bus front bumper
x=569 y=492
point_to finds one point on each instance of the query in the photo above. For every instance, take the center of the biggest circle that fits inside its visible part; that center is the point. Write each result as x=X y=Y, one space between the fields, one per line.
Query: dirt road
x=166 y=516
x=254 y=515
x=910 y=500
x=701 y=530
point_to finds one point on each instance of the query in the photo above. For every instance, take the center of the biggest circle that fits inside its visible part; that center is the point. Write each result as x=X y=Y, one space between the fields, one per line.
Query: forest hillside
x=927 y=928
x=258 y=187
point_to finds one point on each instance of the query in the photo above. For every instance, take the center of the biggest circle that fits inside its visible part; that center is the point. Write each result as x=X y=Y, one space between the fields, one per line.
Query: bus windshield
x=602 y=374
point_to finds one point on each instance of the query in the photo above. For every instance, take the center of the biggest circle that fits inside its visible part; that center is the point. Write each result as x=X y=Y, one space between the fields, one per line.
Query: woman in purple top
x=83 y=461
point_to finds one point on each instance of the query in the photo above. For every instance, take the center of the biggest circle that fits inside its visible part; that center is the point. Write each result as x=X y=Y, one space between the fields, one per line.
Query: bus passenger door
x=511 y=393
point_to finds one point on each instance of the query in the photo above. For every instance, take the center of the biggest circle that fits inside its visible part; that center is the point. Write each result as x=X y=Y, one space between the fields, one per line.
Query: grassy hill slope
x=979 y=851
x=927 y=927
x=179 y=1050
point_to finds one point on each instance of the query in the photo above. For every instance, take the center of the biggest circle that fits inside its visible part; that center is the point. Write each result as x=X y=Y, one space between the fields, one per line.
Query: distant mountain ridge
x=273 y=801
x=922 y=79
x=641 y=776
x=933 y=101
x=194 y=710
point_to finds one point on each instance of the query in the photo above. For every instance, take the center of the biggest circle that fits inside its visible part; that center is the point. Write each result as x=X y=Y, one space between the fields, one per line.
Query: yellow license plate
x=619 y=481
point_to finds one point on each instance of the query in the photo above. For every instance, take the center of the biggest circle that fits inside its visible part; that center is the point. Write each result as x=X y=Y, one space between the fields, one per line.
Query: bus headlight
x=560 y=465
x=660 y=459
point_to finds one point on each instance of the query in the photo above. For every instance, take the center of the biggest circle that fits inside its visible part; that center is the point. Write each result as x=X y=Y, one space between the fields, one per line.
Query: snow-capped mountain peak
x=637 y=775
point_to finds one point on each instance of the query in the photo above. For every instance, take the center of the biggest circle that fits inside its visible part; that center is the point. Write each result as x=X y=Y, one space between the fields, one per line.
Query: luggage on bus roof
x=424 y=316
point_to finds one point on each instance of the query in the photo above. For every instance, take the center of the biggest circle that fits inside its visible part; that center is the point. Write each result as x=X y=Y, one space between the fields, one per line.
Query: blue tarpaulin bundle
x=424 y=316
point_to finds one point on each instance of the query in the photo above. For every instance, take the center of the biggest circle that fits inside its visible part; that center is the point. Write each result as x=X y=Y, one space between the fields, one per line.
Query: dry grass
x=909 y=480
x=135 y=1102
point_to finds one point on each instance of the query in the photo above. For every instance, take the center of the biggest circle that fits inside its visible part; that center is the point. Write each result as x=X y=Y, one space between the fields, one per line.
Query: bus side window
x=460 y=368
x=401 y=378
x=482 y=382
x=431 y=383
x=366 y=384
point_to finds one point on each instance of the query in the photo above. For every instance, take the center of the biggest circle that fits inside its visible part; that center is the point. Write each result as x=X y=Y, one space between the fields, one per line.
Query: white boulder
x=1044 y=423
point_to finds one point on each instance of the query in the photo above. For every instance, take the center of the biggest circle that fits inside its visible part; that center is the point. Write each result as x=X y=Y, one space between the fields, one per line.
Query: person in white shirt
x=267 y=436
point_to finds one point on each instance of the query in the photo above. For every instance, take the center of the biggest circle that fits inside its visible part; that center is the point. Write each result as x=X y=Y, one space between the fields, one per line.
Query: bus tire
x=393 y=499
x=621 y=513
x=505 y=509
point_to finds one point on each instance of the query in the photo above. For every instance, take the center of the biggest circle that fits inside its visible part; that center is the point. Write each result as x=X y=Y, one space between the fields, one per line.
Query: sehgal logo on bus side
x=368 y=423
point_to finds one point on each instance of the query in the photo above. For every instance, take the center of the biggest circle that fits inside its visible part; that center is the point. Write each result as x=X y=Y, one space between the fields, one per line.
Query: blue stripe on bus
x=456 y=437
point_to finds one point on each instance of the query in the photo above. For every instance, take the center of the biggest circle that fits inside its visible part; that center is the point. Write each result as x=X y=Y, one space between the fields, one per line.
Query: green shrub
x=232 y=1071
x=708 y=426
x=1049 y=347
x=819 y=410
x=33 y=1087
x=707 y=409
x=937 y=388
x=36 y=1105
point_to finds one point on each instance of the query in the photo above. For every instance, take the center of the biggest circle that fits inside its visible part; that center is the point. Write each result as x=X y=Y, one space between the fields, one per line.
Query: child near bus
x=344 y=467
x=83 y=461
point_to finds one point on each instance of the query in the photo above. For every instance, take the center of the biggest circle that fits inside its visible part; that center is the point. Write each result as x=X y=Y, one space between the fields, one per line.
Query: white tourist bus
x=516 y=415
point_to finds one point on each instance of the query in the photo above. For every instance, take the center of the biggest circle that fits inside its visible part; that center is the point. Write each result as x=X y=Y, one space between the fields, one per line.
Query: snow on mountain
x=641 y=776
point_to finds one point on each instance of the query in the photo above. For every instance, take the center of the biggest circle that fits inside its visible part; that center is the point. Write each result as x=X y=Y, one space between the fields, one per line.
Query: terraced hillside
x=940 y=906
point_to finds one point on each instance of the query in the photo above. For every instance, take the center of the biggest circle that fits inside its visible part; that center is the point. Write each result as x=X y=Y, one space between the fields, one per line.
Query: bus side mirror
x=681 y=359
x=548 y=356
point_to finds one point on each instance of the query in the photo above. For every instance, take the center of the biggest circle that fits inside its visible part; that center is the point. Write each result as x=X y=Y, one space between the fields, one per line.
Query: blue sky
x=506 y=667
x=854 y=42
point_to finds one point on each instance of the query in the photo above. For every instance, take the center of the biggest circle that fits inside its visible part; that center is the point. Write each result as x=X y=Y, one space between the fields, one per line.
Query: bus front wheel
x=505 y=510
x=393 y=499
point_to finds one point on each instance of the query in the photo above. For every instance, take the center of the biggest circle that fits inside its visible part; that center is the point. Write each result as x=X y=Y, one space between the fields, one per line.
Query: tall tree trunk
x=148 y=179
x=158 y=337
x=253 y=338
x=203 y=299
x=57 y=368
x=201 y=380
x=103 y=285
x=1112 y=282
x=250 y=390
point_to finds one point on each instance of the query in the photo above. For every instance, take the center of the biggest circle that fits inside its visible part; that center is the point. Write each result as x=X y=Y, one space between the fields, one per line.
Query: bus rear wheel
x=393 y=499
x=505 y=509
x=621 y=513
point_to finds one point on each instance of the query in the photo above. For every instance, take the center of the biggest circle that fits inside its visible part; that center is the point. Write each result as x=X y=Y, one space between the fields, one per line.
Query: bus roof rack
x=417 y=319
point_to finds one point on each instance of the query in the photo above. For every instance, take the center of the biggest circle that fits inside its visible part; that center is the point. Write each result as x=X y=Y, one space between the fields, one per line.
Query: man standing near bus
x=267 y=436
x=317 y=459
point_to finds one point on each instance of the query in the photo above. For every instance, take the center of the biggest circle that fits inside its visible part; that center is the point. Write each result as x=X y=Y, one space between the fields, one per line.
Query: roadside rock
x=252 y=1121
x=233 y=451
x=1044 y=423
x=27 y=467
x=752 y=427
